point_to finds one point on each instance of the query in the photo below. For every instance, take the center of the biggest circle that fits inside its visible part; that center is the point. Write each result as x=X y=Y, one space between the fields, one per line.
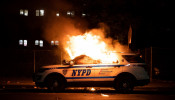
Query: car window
x=133 y=58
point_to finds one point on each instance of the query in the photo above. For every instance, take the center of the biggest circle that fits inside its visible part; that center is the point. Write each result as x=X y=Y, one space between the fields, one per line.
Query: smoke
x=119 y=47
x=112 y=43
x=103 y=31
x=58 y=29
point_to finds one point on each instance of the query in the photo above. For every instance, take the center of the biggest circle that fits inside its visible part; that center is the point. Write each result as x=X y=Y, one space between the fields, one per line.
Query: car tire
x=55 y=84
x=124 y=84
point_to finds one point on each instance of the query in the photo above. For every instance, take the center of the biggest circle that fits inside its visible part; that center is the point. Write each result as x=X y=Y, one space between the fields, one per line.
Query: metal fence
x=23 y=63
x=46 y=57
x=160 y=62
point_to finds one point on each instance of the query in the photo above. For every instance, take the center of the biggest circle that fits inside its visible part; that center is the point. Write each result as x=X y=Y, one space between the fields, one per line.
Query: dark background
x=152 y=23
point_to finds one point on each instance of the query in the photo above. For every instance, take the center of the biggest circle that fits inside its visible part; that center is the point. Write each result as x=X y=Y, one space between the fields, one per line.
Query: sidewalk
x=12 y=83
x=158 y=85
x=161 y=83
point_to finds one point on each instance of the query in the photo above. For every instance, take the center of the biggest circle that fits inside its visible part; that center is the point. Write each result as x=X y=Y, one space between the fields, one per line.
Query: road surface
x=78 y=94
x=159 y=90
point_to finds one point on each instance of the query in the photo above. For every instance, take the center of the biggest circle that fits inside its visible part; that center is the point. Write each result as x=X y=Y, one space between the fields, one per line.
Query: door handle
x=88 y=67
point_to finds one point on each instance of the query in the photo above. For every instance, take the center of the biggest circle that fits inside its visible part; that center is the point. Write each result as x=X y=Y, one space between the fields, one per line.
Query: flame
x=91 y=45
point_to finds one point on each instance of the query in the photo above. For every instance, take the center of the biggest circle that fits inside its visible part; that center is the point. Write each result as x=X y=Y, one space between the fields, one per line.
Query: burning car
x=124 y=74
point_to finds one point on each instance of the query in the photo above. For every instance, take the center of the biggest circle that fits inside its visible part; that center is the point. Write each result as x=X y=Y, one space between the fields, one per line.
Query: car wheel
x=124 y=85
x=55 y=84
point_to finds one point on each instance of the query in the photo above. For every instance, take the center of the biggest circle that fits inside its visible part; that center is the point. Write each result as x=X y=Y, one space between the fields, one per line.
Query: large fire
x=91 y=45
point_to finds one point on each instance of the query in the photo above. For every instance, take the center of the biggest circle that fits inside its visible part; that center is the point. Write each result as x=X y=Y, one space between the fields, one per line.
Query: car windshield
x=133 y=58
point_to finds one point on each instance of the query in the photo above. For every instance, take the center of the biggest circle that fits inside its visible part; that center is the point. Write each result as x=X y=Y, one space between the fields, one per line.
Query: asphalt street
x=156 y=90
x=84 y=95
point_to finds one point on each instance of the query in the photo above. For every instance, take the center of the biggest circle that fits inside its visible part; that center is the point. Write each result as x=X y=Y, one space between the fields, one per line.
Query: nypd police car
x=130 y=71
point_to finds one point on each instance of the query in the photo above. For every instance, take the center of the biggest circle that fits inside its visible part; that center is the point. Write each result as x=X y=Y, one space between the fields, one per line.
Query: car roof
x=126 y=53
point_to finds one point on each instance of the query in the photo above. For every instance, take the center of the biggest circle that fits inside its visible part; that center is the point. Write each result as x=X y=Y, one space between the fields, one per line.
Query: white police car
x=130 y=71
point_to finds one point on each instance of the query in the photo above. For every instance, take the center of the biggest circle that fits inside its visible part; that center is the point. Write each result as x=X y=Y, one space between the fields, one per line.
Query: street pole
x=34 y=61
x=61 y=57
x=151 y=67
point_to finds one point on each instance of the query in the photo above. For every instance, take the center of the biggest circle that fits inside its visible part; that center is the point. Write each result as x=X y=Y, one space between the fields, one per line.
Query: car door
x=106 y=73
x=80 y=73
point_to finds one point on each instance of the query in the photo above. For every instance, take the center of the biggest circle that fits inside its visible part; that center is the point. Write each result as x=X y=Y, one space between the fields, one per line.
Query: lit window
x=70 y=13
x=57 y=14
x=52 y=42
x=23 y=12
x=56 y=42
x=25 y=42
x=83 y=14
x=20 y=42
x=41 y=43
x=39 y=12
x=36 y=42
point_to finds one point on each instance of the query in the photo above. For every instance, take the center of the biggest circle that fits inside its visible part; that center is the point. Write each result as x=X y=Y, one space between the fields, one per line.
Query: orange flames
x=91 y=45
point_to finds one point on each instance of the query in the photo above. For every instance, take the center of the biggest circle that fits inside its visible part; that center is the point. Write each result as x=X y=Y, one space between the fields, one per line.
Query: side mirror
x=65 y=62
x=123 y=60
x=117 y=61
